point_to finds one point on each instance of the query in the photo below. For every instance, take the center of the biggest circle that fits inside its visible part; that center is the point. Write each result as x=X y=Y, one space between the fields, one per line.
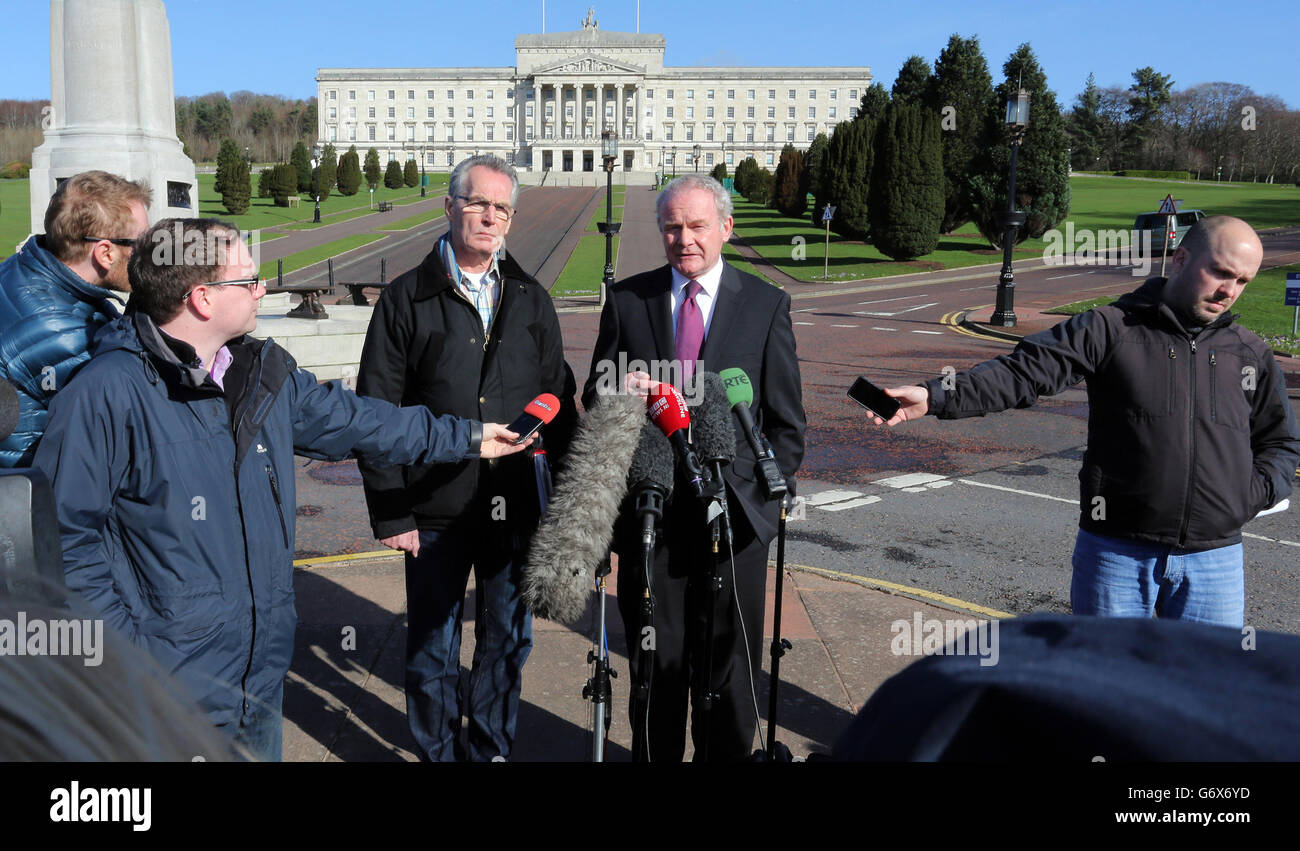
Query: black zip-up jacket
x=425 y=346
x=1190 y=432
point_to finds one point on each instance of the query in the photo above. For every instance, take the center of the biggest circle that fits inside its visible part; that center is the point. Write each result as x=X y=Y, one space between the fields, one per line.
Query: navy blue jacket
x=176 y=500
x=48 y=316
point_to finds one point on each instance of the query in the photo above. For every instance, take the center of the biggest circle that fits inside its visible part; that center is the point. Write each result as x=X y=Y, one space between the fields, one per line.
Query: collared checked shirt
x=486 y=295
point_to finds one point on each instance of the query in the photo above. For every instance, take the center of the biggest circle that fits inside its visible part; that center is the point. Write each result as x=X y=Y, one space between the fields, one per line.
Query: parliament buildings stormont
x=547 y=114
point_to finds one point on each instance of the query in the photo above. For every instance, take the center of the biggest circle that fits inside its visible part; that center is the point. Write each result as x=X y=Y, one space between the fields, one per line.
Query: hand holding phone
x=537 y=413
x=873 y=398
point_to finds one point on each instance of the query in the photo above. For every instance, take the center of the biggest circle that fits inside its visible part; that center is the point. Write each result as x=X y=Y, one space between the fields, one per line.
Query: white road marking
x=927 y=332
x=830 y=496
x=1058 y=277
x=1016 y=490
x=908 y=480
x=896 y=312
x=1271 y=540
x=900 y=298
x=853 y=503
x=985 y=287
x=879 y=328
x=844 y=326
x=805 y=323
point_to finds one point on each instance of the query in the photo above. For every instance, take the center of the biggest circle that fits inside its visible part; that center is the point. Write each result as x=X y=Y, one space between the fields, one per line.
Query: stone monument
x=112 y=105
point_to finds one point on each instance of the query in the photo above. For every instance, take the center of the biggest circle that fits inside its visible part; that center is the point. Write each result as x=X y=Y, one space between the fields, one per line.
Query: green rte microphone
x=740 y=394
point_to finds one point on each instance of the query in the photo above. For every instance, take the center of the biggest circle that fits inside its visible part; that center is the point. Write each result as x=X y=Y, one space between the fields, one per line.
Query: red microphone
x=668 y=411
x=537 y=413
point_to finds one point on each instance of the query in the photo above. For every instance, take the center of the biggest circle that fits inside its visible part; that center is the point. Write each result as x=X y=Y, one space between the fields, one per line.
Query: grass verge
x=586 y=266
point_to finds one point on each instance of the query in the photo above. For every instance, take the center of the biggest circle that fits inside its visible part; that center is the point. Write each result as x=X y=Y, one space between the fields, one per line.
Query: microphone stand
x=650 y=508
x=719 y=531
x=597 y=689
x=779 y=644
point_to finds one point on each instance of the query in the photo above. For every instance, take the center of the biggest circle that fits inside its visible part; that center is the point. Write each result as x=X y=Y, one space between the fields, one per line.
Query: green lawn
x=15 y=221
x=301 y=259
x=264 y=214
x=732 y=256
x=586 y=266
x=413 y=221
x=1096 y=203
x=1260 y=305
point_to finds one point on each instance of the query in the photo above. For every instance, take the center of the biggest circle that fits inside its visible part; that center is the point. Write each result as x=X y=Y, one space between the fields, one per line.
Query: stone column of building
x=637 y=127
x=600 y=110
x=559 y=110
x=620 y=123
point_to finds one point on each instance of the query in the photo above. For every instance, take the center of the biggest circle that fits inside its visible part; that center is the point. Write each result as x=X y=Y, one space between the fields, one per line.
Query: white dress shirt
x=705 y=299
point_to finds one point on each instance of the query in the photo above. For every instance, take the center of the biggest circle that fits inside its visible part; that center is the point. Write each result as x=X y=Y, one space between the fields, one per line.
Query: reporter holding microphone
x=703 y=314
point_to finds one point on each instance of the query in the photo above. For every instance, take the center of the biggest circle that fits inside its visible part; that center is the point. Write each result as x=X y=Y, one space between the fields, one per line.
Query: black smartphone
x=525 y=425
x=873 y=398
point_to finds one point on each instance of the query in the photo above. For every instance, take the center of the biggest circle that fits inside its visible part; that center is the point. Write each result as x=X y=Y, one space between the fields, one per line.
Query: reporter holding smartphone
x=1190 y=431
x=467 y=332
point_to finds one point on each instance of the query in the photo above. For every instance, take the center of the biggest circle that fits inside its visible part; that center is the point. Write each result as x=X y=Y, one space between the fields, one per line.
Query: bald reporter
x=1190 y=432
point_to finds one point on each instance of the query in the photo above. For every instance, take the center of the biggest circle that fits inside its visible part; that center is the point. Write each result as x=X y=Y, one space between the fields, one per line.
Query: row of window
x=750 y=94
x=333 y=94
x=749 y=112
x=791 y=94
x=669 y=135
x=589 y=111
x=370 y=133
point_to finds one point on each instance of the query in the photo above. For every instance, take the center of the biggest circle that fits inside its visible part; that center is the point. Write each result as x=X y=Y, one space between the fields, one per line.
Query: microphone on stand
x=740 y=394
x=668 y=411
x=715 y=444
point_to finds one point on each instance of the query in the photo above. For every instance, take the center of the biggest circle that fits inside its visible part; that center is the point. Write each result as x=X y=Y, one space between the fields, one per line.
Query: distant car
x=1156 y=224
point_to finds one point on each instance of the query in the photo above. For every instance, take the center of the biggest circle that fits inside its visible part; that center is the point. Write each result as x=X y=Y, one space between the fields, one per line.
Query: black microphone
x=740 y=394
x=651 y=479
x=575 y=534
x=715 y=440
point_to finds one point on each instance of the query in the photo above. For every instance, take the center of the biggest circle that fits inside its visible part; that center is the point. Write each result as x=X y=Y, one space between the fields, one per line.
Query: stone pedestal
x=112 y=105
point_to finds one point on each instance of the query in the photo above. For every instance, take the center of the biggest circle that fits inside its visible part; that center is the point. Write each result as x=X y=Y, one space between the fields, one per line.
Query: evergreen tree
x=788 y=192
x=411 y=173
x=745 y=173
x=813 y=160
x=373 y=170
x=1042 y=173
x=301 y=161
x=760 y=186
x=226 y=158
x=264 y=183
x=874 y=101
x=1150 y=95
x=846 y=177
x=907 y=182
x=284 y=182
x=237 y=188
x=962 y=82
x=329 y=169
x=915 y=83
x=719 y=172
x=1085 y=127
x=349 y=172
x=393 y=175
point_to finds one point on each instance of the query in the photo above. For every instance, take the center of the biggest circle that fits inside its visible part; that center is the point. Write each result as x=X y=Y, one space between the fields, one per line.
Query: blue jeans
x=435 y=596
x=262 y=736
x=1117 y=577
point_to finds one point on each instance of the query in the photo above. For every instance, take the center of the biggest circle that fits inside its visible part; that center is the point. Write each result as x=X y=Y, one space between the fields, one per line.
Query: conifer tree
x=373 y=170
x=393 y=175
x=963 y=94
x=907 y=182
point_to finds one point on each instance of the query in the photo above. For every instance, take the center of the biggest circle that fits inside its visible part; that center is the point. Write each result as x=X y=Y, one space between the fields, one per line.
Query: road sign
x=1293 y=289
x=828 y=213
x=1168 y=206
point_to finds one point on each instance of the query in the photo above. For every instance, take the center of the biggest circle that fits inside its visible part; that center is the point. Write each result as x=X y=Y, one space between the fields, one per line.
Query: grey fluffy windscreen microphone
x=579 y=524
x=713 y=435
x=8 y=409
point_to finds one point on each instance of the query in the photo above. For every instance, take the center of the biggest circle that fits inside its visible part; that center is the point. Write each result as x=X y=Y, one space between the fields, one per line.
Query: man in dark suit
x=696 y=314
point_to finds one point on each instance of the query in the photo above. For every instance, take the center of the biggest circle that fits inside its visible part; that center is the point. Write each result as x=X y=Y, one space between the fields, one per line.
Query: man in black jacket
x=1190 y=432
x=467 y=332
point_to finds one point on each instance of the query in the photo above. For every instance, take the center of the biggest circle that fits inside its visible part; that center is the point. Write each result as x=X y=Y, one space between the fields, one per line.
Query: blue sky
x=1250 y=42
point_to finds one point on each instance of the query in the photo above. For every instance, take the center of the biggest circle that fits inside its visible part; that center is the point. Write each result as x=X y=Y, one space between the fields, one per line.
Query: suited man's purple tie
x=690 y=331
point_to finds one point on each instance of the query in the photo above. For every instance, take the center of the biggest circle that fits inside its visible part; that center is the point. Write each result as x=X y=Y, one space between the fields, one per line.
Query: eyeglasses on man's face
x=116 y=240
x=477 y=205
x=251 y=284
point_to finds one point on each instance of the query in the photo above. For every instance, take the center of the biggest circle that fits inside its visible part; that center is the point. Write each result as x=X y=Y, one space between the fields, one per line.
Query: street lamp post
x=609 y=153
x=696 y=154
x=1017 y=120
x=674 y=156
x=315 y=174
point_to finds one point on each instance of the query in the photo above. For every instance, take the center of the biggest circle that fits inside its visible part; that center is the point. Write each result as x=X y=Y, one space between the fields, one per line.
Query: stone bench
x=293 y=200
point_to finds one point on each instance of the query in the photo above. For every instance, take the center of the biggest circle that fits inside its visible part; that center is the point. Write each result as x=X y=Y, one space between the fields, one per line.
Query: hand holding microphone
x=668 y=411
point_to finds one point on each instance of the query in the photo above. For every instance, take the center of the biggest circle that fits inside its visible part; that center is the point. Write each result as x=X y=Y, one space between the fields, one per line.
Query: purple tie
x=690 y=331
